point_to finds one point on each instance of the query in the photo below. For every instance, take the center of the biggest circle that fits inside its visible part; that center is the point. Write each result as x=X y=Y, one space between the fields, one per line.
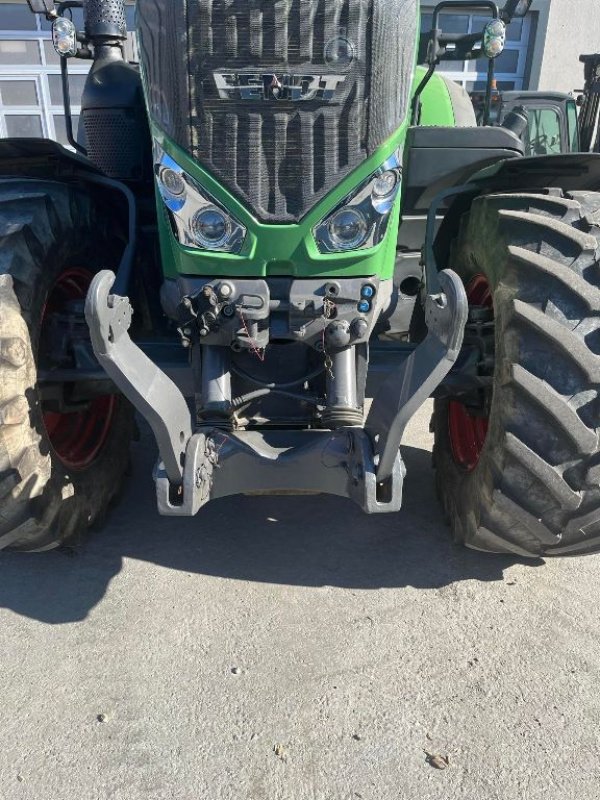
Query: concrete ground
x=292 y=649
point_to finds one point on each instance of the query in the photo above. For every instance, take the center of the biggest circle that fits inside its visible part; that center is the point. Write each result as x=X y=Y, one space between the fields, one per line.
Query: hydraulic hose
x=241 y=373
x=123 y=280
x=238 y=402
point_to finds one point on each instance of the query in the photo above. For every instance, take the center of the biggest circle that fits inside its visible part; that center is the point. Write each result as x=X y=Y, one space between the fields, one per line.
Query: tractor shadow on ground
x=305 y=541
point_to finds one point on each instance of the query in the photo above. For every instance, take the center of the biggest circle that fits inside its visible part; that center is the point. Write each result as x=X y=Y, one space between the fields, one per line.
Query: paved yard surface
x=292 y=649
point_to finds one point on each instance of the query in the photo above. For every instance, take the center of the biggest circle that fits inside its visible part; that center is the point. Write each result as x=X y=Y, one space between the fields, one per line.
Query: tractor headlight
x=171 y=181
x=210 y=228
x=199 y=220
x=347 y=228
x=361 y=219
x=386 y=183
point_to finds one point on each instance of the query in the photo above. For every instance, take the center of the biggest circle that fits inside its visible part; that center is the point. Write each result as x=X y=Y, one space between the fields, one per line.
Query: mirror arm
x=487 y=108
x=45 y=7
x=514 y=8
x=416 y=103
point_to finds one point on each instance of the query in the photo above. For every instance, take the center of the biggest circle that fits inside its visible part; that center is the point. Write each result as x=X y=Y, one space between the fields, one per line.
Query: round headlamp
x=348 y=228
x=211 y=228
x=172 y=181
x=385 y=184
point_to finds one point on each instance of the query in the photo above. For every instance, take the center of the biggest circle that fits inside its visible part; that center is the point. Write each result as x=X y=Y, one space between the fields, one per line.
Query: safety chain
x=261 y=355
x=328 y=313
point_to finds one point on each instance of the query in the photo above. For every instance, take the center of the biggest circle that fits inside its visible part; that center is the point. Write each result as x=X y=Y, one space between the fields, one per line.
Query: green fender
x=444 y=102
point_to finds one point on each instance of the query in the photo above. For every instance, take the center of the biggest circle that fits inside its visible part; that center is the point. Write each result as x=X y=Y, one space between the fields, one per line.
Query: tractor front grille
x=280 y=164
x=280 y=157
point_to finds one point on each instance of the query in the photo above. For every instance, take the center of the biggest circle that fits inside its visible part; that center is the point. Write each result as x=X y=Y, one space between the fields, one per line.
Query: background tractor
x=589 y=104
x=552 y=124
x=274 y=219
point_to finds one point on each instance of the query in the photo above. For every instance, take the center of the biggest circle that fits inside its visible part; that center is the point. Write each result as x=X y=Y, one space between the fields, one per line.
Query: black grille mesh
x=113 y=142
x=279 y=157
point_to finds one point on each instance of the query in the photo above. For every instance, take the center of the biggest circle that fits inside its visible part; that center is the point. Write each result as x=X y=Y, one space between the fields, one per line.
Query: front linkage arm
x=152 y=393
x=407 y=388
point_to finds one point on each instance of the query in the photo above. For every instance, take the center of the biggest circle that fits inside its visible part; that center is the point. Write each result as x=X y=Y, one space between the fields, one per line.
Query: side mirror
x=515 y=8
x=42 y=7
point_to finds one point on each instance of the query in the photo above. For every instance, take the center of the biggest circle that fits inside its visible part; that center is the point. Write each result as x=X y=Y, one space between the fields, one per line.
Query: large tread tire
x=536 y=489
x=45 y=228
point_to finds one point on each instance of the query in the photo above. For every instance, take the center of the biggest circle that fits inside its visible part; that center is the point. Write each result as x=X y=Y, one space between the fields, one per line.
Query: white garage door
x=511 y=65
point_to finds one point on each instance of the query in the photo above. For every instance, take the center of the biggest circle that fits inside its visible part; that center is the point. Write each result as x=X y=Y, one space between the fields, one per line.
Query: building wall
x=512 y=66
x=567 y=28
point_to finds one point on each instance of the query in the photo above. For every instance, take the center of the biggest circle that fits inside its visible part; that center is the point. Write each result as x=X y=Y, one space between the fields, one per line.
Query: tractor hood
x=279 y=99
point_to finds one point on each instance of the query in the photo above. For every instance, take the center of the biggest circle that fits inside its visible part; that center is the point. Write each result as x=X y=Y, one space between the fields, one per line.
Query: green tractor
x=276 y=238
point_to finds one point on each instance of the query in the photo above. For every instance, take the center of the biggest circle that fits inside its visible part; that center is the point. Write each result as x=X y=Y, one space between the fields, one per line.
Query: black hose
x=123 y=279
x=275 y=386
x=238 y=402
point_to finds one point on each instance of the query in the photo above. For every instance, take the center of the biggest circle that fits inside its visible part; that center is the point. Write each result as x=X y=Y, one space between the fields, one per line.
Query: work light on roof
x=494 y=38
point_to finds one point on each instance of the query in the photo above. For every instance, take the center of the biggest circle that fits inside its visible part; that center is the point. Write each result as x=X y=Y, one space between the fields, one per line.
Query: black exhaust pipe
x=105 y=20
x=516 y=121
x=112 y=107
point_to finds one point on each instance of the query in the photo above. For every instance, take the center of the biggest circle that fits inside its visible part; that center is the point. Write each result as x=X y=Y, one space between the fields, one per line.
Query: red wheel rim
x=467 y=431
x=77 y=437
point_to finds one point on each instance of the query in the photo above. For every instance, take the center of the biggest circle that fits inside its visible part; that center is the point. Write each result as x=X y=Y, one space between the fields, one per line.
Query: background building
x=542 y=53
x=30 y=85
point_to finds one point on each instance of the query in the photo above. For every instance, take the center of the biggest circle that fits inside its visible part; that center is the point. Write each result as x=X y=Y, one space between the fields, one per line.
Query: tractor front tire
x=58 y=471
x=522 y=474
